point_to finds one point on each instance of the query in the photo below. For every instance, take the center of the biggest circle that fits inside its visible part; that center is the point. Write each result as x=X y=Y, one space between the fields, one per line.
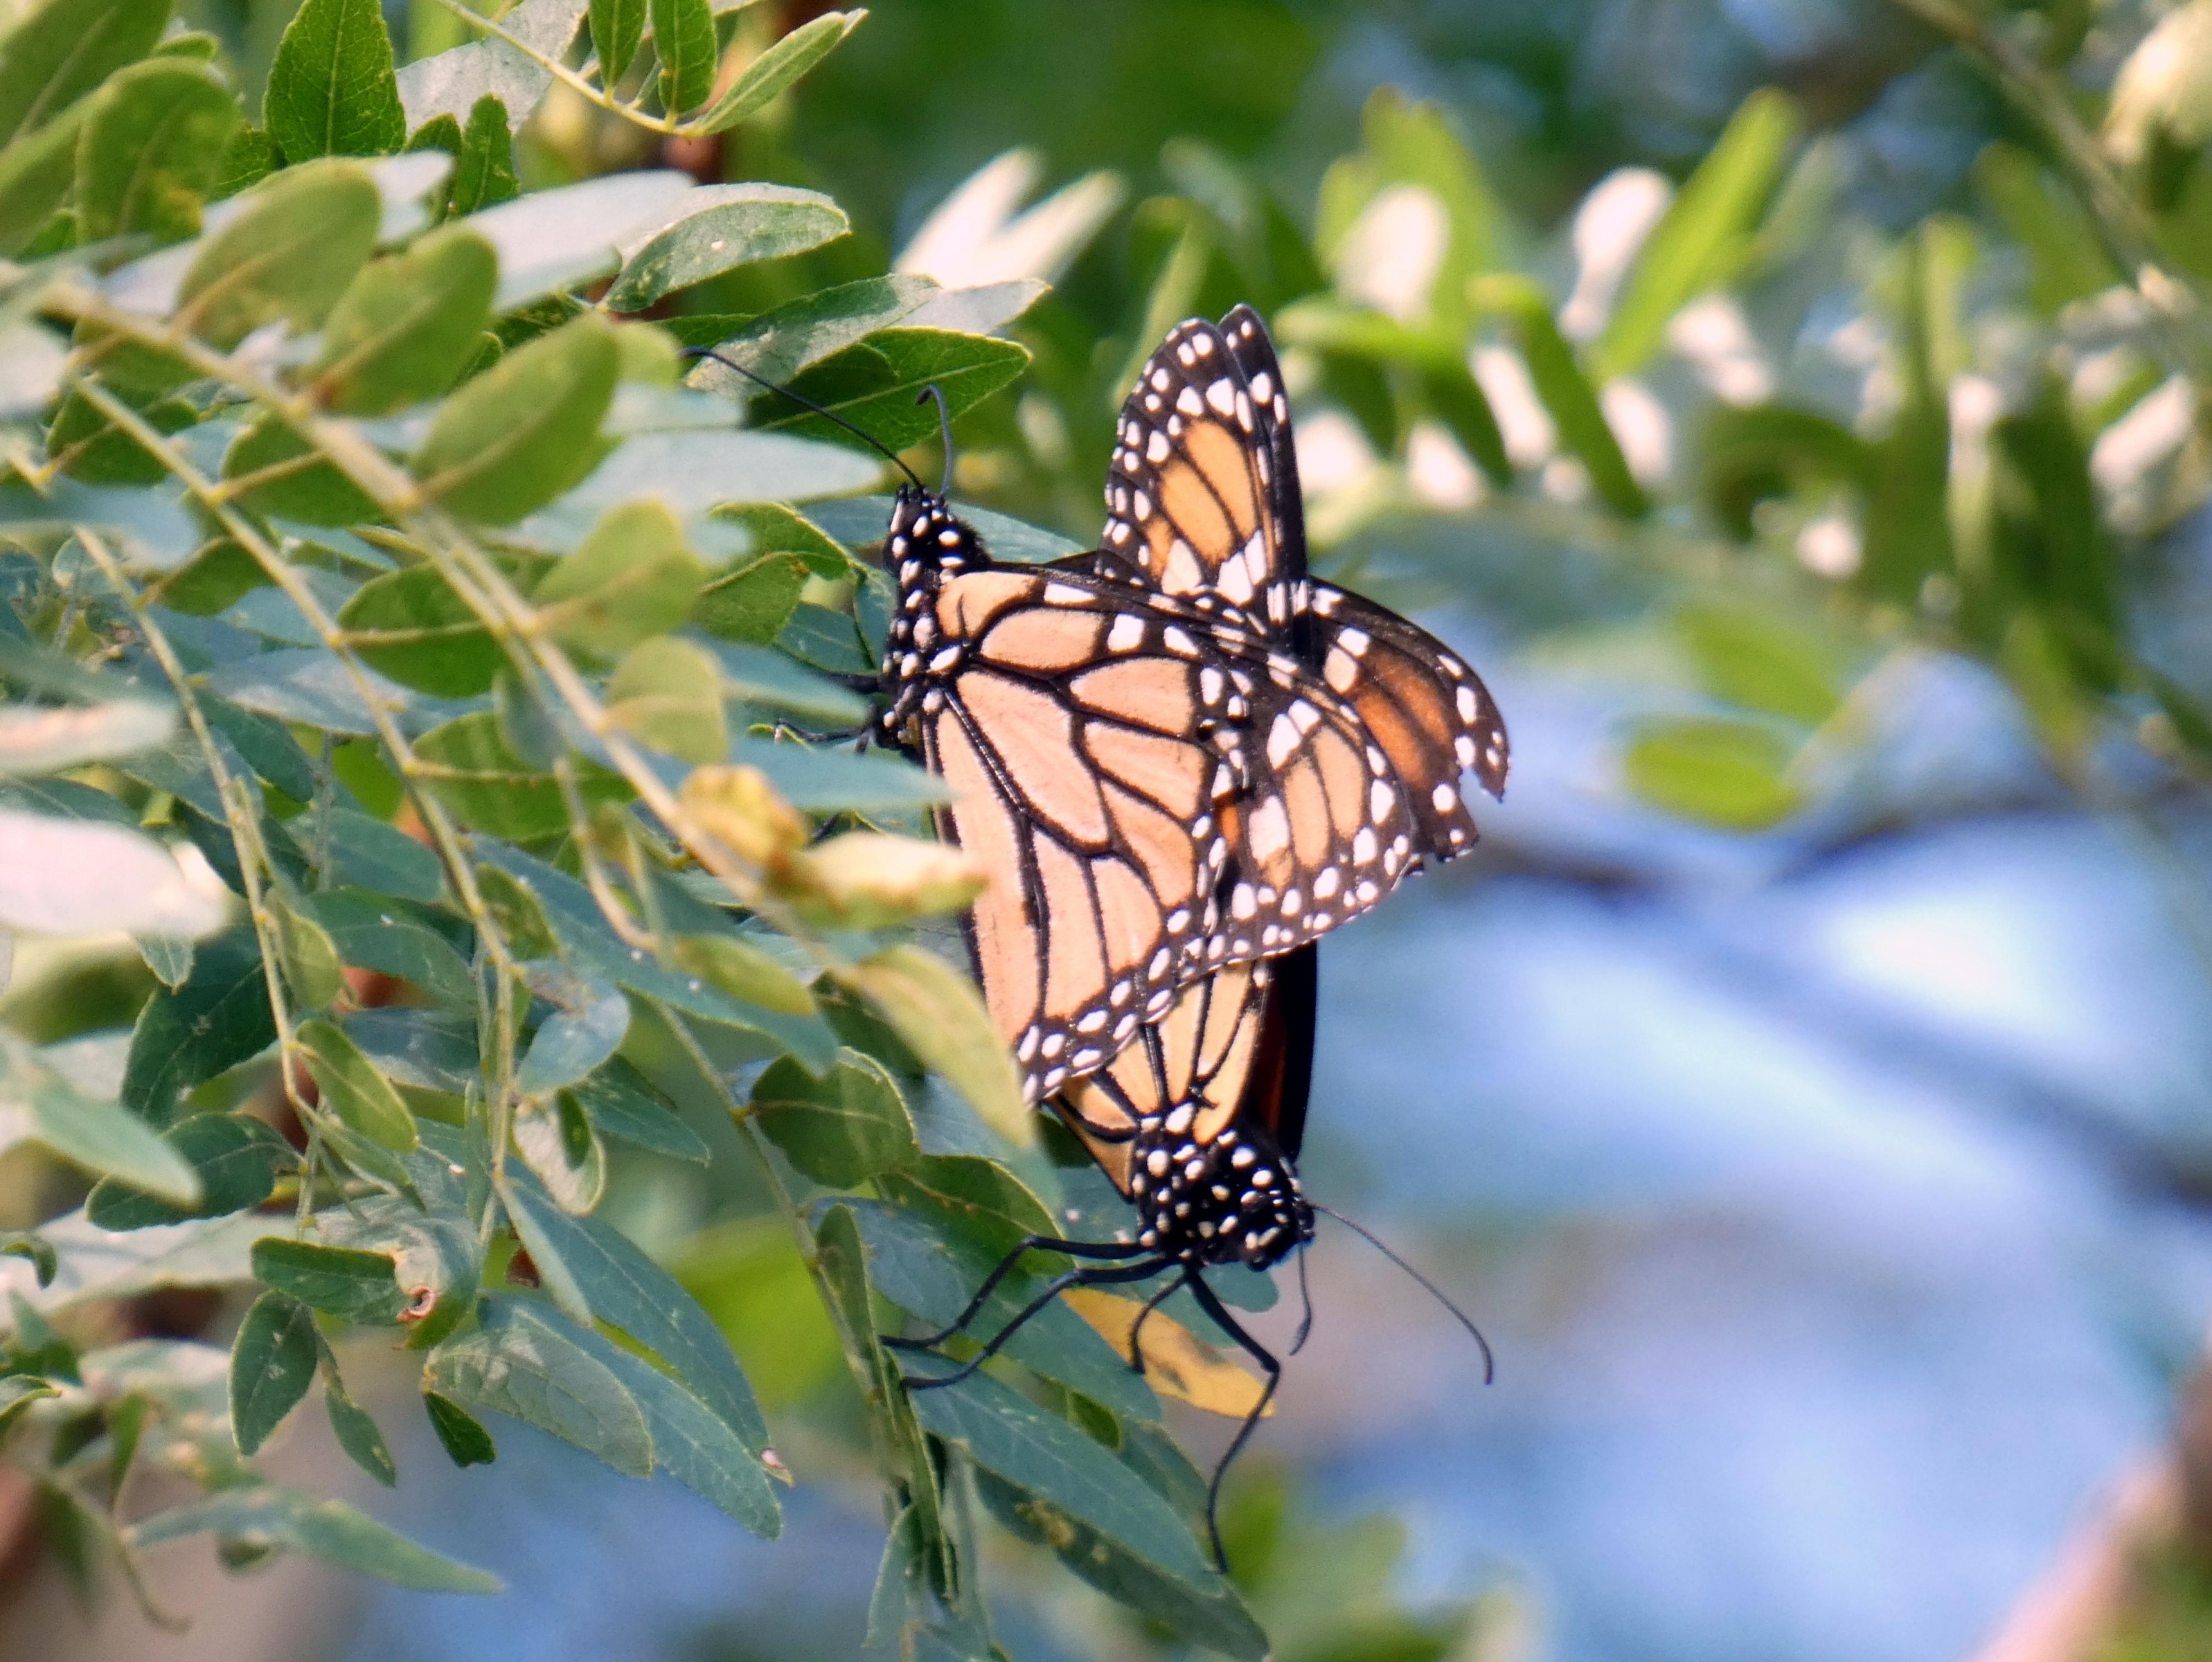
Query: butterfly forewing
x=1203 y=487
x=1086 y=770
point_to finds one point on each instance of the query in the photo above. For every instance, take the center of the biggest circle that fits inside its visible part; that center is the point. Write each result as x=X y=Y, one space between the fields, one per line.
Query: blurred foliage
x=435 y=683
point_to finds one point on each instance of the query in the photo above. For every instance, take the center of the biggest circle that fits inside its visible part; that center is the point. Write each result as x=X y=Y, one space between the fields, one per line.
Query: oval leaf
x=331 y=90
x=524 y=430
x=271 y=1365
x=937 y=1011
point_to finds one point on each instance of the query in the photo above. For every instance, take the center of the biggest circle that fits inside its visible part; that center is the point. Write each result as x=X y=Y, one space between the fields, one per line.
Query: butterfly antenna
x=945 y=426
x=805 y=403
x=1489 y=1363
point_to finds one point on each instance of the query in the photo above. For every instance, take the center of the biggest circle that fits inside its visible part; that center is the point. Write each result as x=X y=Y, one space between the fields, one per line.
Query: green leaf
x=328 y=1530
x=1762 y=662
x=520 y=1361
x=99 y=1136
x=873 y=385
x=558 y=1142
x=484 y=174
x=371 y=933
x=1907 y=531
x=524 y=430
x=356 y=1430
x=339 y=1281
x=766 y=680
x=824 y=638
x=745 y=972
x=589 y=945
x=753 y=603
x=1405 y=144
x=1725 y=773
x=466 y=764
x=1773 y=451
x=17 y=1393
x=621 y=1103
x=403 y=330
x=307 y=954
x=33 y=1346
x=288 y=255
x=1208 y=1613
x=411 y=625
x=36 y=174
x=780 y=343
x=691 y=1443
x=684 y=35
x=36 y=1249
x=1565 y=390
x=216 y=1020
x=631 y=578
x=236 y=1158
x=607 y=1279
x=352 y=1088
x=667 y=693
x=1456 y=398
x=297 y=485
x=2067 y=260
x=721 y=227
x=435 y=1260
x=617 y=28
x=249 y=158
x=1046 y=1456
x=817 y=779
x=66 y=48
x=426 y=1049
x=571 y=1043
x=367 y=853
x=841 y=1130
x=931 y=1274
x=331 y=90
x=462 y=1434
x=1702 y=242
x=271 y=1364
x=152 y=149
x=856 y=521
x=937 y=1012
x=777 y=70
x=977 y=1199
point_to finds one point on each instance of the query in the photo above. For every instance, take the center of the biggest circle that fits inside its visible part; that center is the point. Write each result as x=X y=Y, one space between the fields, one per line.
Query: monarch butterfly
x=1179 y=751
x=1198 y=1124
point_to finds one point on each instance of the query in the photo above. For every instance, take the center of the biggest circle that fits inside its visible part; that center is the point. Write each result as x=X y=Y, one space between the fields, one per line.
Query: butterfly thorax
x=925 y=547
x=1232 y=1200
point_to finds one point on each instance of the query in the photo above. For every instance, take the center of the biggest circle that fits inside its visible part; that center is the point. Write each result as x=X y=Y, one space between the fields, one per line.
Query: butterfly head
x=927 y=543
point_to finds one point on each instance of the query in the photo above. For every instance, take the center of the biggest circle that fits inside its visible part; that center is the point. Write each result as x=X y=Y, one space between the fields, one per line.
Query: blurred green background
x=1809 y=1083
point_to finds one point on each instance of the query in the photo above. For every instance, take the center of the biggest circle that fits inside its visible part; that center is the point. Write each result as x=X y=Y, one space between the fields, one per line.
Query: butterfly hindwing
x=1197 y=1121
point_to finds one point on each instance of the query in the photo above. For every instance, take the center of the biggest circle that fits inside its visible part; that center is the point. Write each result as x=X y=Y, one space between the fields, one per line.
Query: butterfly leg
x=1211 y=1303
x=1097 y=1249
x=1137 y=1327
x=1306 y=1298
x=1081 y=1276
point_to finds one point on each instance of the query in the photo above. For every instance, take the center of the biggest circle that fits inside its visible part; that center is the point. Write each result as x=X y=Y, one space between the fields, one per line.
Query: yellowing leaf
x=1176 y=1363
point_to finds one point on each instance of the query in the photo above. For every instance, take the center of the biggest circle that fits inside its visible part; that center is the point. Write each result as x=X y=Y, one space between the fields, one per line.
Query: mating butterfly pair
x=1183 y=759
x=1177 y=754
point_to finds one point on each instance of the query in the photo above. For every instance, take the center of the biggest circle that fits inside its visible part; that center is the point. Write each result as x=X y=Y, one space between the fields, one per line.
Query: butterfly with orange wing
x=1180 y=751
